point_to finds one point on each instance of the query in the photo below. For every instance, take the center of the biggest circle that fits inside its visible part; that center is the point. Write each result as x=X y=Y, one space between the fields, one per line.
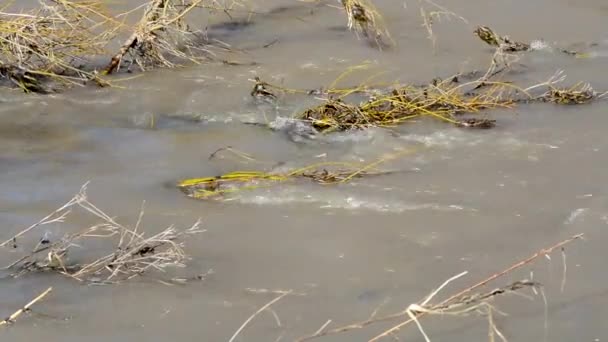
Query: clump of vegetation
x=161 y=38
x=52 y=43
x=131 y=253
x=445 y=100
x=454 y=100
x=61 y=42
x=325 y=173
x=503 y=42
x=580 y=93
x=365 y=19
x=220 y=187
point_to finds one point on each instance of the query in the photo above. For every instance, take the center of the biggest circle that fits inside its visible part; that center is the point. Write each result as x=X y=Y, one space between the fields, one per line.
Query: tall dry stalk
x=463 y=302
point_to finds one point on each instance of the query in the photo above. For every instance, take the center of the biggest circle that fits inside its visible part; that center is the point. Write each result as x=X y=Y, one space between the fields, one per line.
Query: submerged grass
x=460 y=100
x=324 y=173
x=230 y=183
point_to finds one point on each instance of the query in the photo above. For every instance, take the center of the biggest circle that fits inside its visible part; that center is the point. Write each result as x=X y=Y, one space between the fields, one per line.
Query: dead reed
x=161 y=37
x=364 y=19
x=436 y=14
x=26 y=308
x=464 y=302
x=131 y=253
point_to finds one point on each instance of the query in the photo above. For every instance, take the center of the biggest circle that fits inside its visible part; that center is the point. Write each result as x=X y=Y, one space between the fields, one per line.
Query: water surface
x=466 y=200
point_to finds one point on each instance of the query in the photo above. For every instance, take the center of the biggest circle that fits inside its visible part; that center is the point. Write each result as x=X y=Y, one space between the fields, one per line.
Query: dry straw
x=464 y=302
x=325 y=173
x=26 y=308
x=60 y=43
x=52 y=43
x=133 y=252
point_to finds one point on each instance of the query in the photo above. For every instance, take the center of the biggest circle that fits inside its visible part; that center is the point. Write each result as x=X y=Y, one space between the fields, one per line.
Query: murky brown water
x=469 y=200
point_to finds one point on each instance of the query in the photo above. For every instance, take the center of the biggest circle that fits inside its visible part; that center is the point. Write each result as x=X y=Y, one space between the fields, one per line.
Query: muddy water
x=465 y=200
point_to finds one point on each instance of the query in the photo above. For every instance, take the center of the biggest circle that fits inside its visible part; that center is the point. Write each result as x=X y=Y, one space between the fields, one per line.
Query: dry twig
x=12 y=318
x=464 y=301
x=266 y=306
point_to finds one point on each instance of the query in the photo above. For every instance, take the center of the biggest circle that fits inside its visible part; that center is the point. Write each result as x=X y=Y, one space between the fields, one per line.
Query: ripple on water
x=447 y=139
x=336 y=199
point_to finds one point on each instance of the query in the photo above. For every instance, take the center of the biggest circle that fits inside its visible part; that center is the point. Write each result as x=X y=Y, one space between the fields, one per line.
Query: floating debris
x=216 y=187
x=334 y=115
x=219 y=187
x=503 y=42
x=260 y=91
x=445 y=100
x=442 y=100
x=477 y=123
x=131 y=251
x=580 y=93
x=487 y=35
x=26 y=308
x=364 y=18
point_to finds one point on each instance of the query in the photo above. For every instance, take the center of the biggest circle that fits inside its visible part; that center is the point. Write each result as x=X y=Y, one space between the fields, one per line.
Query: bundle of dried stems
x=132 y=252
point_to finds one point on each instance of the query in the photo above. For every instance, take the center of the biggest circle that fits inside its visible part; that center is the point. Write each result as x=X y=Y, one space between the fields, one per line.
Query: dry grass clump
x=453 y=100
x=53 y=42
x=63 y=41
x=580 y=93
x=132 y=252
x=161 y=38
x=219 y=186
x=222 y=186
x=334 y=115
x=442 y=100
